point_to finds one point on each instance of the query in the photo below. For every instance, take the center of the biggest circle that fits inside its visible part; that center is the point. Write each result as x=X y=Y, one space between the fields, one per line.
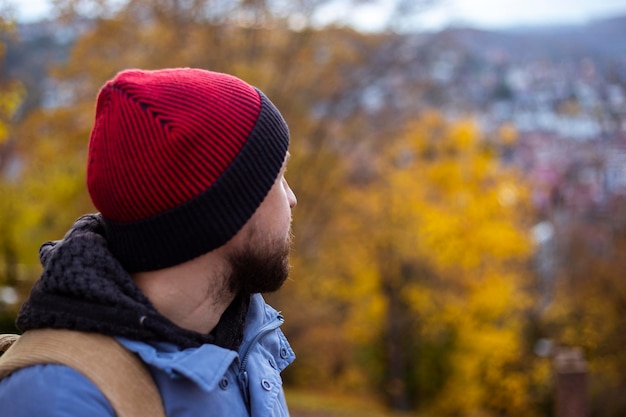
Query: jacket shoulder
x=100 y=358
x=51 y=391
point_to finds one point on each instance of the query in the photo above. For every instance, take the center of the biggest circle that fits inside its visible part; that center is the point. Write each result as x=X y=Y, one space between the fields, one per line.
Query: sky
x=496 y=14
x=487 y=14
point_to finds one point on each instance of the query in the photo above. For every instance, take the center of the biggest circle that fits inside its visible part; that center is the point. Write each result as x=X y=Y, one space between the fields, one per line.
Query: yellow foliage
x=444 y=224
x=464 y=136
x=11 y=98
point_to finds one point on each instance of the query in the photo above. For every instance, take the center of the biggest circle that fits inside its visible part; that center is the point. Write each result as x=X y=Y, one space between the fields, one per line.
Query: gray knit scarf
x=84 y=288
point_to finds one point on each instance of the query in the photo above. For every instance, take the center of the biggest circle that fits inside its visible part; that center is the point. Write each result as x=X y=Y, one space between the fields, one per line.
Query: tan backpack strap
x=118 y=373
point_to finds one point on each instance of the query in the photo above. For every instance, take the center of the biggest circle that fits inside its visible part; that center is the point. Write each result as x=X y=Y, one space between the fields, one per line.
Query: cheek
x=274 y=214
x=281 y=210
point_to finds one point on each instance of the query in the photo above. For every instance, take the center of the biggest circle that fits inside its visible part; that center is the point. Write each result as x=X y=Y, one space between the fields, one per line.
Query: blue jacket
x=203 y=381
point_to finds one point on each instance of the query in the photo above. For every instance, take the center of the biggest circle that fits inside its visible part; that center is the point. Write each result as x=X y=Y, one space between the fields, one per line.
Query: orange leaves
x=446 y=230
x=454 y=196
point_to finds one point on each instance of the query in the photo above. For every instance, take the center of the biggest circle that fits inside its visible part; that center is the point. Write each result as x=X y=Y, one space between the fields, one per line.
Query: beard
x=262 y=266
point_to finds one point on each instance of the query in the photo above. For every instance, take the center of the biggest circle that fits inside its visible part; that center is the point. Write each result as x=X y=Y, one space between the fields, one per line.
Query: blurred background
x=460 y=168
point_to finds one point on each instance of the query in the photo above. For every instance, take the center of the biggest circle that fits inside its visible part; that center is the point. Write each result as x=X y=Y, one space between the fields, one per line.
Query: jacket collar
x=188 y=363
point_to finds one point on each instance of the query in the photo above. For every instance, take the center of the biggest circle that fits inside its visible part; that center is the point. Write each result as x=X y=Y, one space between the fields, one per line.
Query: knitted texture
x=179 y=160
x=84 y=288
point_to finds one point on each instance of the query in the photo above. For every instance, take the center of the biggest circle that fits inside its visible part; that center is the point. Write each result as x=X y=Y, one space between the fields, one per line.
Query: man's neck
x=193 y=295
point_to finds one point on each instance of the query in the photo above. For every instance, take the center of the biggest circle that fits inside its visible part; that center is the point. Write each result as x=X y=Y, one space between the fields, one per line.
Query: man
x=186 y=168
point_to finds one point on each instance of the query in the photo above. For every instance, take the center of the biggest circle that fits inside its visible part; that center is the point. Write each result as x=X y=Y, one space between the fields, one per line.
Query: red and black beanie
x=179 y=160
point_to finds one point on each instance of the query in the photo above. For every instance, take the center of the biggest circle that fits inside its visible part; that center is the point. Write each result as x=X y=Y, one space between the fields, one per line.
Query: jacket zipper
x=243 y=374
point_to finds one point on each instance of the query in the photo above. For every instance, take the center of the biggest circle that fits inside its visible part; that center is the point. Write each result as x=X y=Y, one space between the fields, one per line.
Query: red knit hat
x=179 y=160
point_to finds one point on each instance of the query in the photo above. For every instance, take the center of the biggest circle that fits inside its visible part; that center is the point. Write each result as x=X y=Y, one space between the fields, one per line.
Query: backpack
x=118 y=373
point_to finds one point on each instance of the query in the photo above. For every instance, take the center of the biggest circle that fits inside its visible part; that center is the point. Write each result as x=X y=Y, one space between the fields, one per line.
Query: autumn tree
x=428 y=265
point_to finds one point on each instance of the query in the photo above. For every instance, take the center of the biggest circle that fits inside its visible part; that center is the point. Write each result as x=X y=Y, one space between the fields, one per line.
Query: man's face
x=260 y=262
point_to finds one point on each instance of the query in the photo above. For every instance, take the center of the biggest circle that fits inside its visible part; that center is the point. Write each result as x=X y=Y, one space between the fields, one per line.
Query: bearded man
x=186 y=169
